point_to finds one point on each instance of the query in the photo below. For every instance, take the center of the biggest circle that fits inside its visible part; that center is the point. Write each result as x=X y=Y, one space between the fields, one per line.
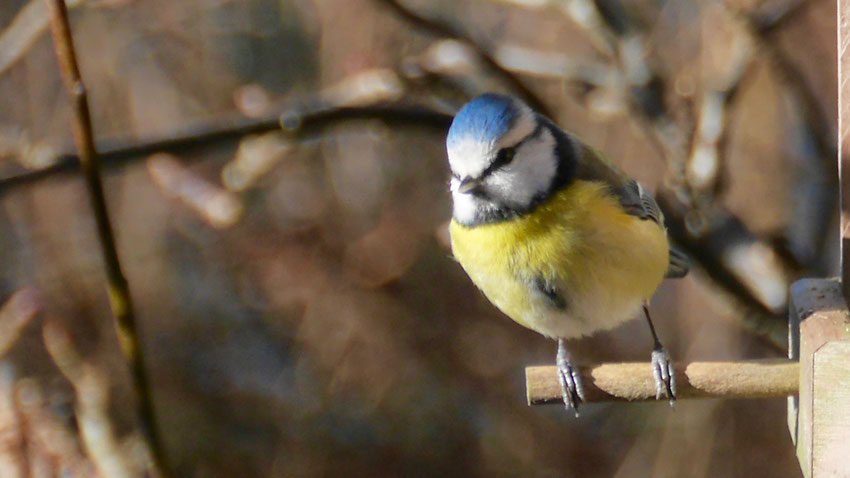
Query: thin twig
x=120 y=300
x=634 y=381
x=301 y=123
x=446 y=30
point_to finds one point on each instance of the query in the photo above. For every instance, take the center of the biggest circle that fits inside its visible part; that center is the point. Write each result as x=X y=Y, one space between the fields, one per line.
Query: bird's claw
x=571 y=387
x=665 y=378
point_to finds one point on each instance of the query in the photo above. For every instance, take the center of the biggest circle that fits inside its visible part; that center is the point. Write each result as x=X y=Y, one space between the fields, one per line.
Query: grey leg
x=662 y=366
x=569 y=378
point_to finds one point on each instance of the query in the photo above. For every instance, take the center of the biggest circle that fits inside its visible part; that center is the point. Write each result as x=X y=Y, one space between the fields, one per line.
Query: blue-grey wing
x=635 y=200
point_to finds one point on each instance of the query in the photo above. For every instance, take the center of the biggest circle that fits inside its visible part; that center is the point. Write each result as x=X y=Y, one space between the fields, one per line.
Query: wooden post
x=819 y=323
x=819 y=418
x=844 y=139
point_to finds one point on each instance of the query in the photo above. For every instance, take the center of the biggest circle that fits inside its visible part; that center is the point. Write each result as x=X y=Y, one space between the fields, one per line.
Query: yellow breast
x=603 y=260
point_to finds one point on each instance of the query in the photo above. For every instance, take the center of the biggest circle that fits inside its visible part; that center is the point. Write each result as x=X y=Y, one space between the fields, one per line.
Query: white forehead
x=470 y=156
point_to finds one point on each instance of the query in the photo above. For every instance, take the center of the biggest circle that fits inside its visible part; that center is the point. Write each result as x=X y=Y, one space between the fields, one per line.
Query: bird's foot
x=571 y=388
x=570 y=380
x=665 y=378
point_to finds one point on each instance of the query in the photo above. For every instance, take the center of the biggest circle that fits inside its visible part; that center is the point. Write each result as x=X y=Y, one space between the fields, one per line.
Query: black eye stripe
x=506 y=155
x=503 y=158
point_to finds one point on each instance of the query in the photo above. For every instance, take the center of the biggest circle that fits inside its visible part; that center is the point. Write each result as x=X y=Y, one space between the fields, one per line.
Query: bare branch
x=301 y=121
x=119 y=291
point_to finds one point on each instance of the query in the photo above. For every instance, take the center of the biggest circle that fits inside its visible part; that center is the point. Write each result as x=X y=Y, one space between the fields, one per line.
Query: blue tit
x=560 y=240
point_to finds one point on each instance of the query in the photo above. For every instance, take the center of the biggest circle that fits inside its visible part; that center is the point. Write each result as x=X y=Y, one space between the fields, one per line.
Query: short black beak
x=468 y=185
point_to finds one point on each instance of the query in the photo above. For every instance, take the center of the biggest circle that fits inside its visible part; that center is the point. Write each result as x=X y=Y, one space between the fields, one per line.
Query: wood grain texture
x=831 y=410
x=634 y=381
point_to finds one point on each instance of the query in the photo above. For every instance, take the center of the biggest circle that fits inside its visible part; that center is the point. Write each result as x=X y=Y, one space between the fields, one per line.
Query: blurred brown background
x=299 y=308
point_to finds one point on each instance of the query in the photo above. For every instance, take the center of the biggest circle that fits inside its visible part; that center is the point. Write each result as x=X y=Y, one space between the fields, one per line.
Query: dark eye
x=504 y=157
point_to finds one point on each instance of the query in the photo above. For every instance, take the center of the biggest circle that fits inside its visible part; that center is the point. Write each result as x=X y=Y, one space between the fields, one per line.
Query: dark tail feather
x=679 y=264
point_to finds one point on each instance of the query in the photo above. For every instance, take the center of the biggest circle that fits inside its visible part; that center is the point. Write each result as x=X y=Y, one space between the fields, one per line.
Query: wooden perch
x=634 y=381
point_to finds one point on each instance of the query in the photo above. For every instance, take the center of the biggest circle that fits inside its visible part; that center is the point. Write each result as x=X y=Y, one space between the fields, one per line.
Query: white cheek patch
x=464 y=207
x=529 y=175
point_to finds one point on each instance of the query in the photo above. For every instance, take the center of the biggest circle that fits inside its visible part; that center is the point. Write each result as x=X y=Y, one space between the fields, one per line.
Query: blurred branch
x=643 y=85
x=774 y=15
x=531 y=4
x=706 y=171
x=27 y=26
x=720 y=243
x=119 y=292
x=447 y=74
x=300 y=121
x=218 y=207
x=816 y=129
x=255 y=156
x=92 y=402
x=583 y=12
x=49 y=445
x=557 y=66
x=15 y=314
x=705 y=166
x=447 y=30
x=634 y=381
x=32 y=154
x=13 y=459
x=796 y=81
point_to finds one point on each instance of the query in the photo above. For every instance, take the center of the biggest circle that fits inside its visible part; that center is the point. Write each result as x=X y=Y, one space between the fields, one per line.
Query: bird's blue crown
x=485 y=118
